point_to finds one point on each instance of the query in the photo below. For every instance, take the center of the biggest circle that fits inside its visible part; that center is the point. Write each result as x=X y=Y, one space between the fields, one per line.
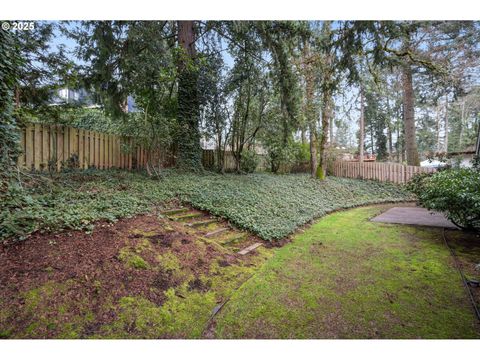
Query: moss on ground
x=48 y=312
x=347 y=277
x=188 y=307
x=143 y=233
x=6 y=328
x=168 y=261
x=178 y=317
x=225 y=277
x=132 y=259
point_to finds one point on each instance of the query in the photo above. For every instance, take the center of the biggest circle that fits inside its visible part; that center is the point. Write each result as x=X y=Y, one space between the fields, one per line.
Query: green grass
x=346 y=277
x=271 y=206
x=343 y=277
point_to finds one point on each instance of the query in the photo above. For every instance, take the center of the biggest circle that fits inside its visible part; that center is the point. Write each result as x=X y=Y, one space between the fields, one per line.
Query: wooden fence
x=209 y=160
x=53 y=147
x=396 y=173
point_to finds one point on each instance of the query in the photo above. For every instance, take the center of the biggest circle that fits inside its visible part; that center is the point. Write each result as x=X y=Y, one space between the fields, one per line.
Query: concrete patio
x=414 y=216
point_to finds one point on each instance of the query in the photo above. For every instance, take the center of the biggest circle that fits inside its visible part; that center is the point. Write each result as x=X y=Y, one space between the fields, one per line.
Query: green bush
x=415 y=185
x=302 y=152
x=280 y=156
x=455 y=192
x=249 y=161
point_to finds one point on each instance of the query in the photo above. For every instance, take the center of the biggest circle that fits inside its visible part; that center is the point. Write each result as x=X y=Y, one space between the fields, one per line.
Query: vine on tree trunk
x=9 y=136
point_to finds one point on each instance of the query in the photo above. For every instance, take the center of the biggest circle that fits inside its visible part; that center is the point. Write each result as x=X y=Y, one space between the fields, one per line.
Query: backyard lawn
x=346 y=277
x=119 y=255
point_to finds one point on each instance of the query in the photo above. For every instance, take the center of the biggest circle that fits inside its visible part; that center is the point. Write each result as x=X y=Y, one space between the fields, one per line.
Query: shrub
x=415 y=185
x=280 y=156
x=249 y=161
x=476 y=162
x=301 y=160
x=455 y=192
x=302 y=152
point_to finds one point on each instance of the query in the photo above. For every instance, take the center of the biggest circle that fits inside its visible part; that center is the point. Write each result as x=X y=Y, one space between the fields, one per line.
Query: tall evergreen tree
x=10 y=62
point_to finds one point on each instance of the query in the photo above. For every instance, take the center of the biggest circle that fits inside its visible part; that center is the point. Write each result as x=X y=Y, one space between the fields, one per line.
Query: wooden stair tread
x=202 y=223
x=249 y=248
x=186 y=216
x=174 y=211
x=215 y=232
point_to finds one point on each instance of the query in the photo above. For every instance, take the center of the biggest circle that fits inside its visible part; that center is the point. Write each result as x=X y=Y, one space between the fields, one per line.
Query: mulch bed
x=92 y=262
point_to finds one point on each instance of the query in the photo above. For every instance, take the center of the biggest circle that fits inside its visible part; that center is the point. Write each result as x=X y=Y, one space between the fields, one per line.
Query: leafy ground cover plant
x=271 y=206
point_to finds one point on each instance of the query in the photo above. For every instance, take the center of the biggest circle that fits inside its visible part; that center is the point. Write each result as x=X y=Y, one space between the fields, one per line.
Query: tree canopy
x=270 y=86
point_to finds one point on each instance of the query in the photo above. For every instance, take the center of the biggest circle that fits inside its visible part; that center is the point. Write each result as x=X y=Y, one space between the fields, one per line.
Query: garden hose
x=219 y=307
x=464 y=280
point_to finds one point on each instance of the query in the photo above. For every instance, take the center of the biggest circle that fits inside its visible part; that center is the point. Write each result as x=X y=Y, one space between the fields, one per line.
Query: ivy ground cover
x=271 y=206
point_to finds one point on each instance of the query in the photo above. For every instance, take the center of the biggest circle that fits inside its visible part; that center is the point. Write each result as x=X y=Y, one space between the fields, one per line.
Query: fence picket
x=21 y=159
x=37 y=145
x=45 y=146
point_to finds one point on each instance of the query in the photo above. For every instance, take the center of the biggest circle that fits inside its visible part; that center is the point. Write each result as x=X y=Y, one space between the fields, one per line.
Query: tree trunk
x=477 y=145
x=189 y=150
x=238 y=162
x=361 y=137
x=401 y=141
x=326 y=117
x=332 y=138
x=372 y=148
x=390 y=141
x=460 y=136
x=445 y=141
x=309 y=108
x=313 y=151
x=389 y=130
x=437 y=128
x=397 y=144
x=409 y=116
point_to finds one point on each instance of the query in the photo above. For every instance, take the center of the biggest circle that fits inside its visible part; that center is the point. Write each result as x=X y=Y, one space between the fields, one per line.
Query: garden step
x=186 y=216
x=202 y=223
x=249 y=248
x=215 y=232
x=234 y=239
x=175 y=211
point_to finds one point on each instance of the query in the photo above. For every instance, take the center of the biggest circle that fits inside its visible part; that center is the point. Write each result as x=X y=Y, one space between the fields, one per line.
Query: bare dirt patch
x=68 y=284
